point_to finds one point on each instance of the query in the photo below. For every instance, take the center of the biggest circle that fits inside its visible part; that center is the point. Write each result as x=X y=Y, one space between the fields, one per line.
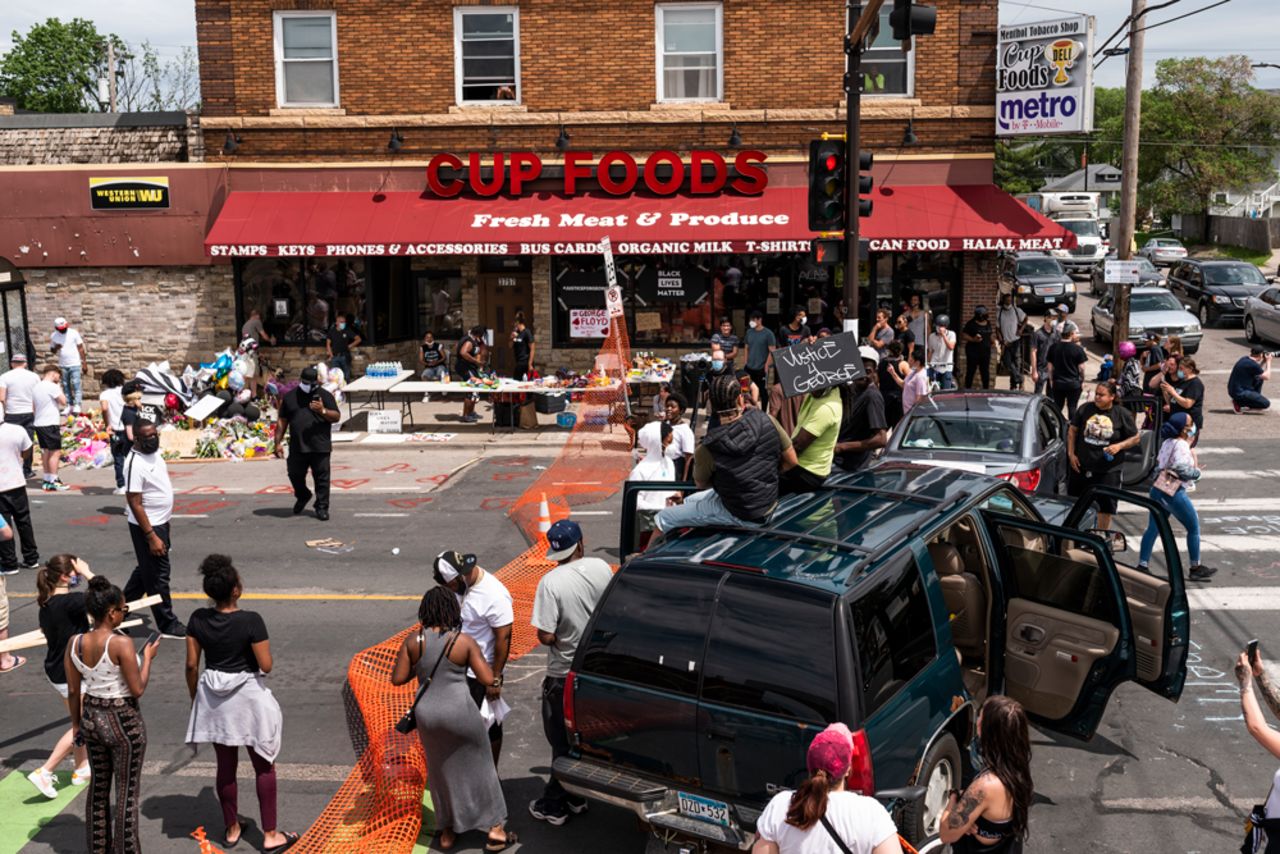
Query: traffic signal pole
x=1129 y=167
x=860 y=20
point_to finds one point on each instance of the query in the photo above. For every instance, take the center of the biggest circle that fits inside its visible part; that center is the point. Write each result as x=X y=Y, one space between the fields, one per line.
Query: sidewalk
x=440 y=422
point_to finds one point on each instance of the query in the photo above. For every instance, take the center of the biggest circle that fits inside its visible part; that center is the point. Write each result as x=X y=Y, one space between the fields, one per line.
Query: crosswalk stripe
x=1234 y=598
x=27 y=811
x=1206 y=451
x=1238 y=474
x=1240 y=543
x=1219 y=505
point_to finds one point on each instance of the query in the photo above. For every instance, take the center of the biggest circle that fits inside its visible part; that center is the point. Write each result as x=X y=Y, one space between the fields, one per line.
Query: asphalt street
x=1158 y=776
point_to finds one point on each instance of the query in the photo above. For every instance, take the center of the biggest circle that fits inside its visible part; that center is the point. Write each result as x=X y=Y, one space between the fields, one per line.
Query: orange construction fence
x=378 y=809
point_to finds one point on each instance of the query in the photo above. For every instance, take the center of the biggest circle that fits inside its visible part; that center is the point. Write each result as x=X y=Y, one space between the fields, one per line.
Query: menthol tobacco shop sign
x=1044 y=77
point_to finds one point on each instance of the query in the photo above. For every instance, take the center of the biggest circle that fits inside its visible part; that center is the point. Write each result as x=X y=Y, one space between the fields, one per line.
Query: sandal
x=289 y=839
x=510 y=839
x=228 y=842
x=453 y=840
x=18 y=662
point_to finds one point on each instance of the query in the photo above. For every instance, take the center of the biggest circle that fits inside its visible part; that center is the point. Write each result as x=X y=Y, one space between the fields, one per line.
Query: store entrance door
x=502 y=295
x=13 y=312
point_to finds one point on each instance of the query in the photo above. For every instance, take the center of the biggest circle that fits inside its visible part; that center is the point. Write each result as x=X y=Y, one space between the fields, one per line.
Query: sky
x=1237 y=26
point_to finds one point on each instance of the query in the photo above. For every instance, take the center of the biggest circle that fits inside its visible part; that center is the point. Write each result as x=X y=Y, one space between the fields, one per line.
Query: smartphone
x=1253 y=651
x=152 y=638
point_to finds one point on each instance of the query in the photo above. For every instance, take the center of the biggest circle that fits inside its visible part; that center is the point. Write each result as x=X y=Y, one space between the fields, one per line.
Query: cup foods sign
x=1044 y=78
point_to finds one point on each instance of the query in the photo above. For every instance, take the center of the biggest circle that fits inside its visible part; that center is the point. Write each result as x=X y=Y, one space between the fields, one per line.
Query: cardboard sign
x=384 y=421
x=588 y=323
x=1123 y=272
x=647 y=321
x=833 y=361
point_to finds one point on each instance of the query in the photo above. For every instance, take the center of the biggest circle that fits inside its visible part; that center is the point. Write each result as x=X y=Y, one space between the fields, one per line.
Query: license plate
x=704 y=809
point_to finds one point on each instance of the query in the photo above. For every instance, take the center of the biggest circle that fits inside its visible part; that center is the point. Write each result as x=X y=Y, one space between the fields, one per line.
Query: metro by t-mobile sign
x=663 y=173
x=1044 y=78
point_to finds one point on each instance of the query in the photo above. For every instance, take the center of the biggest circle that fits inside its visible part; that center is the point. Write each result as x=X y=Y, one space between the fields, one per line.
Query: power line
x=1188 y=15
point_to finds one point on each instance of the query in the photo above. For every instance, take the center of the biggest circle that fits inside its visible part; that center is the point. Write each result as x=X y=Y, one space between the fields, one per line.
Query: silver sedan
x=1150 y=310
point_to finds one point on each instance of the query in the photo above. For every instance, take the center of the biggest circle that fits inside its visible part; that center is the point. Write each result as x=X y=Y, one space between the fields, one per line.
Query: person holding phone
x=307 y=414
x=1265 y=818
x=149 y=504
x=108 y=716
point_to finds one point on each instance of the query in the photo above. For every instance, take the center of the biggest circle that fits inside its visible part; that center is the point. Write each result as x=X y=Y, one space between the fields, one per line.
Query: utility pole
x=853 y=109
x=111 y=75
x=1129 y=167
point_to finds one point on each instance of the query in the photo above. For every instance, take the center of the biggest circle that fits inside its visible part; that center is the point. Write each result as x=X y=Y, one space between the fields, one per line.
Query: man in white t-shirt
x=566 y=598
x=942 y=353
x=851 y=823
x=69 y=345
x=487 y=615
x=49 y=403
x=149 y=503
x=682 y=441
x=15 y=441
x=17 y=387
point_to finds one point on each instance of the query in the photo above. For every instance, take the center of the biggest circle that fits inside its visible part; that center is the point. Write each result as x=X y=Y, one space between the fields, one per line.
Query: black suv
x=893 y=599
x=1037 y=281
x=1216 y=291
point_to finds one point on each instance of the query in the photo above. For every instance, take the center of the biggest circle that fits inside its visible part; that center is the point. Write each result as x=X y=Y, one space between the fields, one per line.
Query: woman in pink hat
x=821 y=817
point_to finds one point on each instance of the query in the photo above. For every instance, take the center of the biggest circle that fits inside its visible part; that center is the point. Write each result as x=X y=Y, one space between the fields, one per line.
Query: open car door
x=1068 y=641
x=1138 y=462
x=641 y=500
x=1155 y=589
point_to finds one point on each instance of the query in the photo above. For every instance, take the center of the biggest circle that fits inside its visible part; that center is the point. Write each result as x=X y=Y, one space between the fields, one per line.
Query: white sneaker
x=80 y=776
x=119 y=490
x=43 y=781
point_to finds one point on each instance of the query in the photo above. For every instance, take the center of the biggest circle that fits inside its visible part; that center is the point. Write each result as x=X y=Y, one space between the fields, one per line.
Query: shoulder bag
x=407 y=722
x=840 y=843
x=1168 y=482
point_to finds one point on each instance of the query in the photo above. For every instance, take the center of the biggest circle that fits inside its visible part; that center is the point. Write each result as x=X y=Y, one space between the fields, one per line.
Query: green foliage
x=54 y=68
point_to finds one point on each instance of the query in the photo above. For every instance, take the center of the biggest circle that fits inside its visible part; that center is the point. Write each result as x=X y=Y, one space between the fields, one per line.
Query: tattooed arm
x=1253 y=718
x=960 y=813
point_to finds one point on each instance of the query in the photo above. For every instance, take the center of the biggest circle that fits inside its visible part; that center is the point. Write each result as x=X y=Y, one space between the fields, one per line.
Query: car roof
x=832 y=537
x=980 y=403
x=1150 y=289
x=1220 y=262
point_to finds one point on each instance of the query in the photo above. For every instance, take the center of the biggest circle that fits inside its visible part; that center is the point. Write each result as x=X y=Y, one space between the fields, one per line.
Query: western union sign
x=116 y=194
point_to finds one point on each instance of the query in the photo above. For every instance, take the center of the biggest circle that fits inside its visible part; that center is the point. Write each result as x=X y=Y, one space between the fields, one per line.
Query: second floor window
x=487 y=54
x=886 y=70
x=306 y=59
x=690 y=52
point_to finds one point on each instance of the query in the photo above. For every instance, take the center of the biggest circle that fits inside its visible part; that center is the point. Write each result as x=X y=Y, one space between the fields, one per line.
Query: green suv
x=895 y=600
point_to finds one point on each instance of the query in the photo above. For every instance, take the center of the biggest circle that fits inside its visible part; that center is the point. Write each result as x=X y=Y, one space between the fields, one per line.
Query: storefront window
x=439 y=295
x=299 y=300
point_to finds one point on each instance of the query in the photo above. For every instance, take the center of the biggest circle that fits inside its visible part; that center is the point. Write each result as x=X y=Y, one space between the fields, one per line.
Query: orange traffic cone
x=544 y=516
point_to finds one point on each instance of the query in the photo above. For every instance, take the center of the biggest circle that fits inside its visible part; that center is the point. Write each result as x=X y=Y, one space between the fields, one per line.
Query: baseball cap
x=309 y=374
x=563 y=539
x=451 y=564
x=1152 y=336
x=980 y=310
x=59 y=323
x=1257 y=350
x=869 y=353
x=18 y=356
x=831 y=751
x=1062 y=308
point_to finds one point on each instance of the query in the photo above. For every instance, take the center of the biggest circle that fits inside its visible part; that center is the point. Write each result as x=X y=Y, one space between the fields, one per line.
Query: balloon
x=222 y=381
x=171 y=401
x=224 y=395
x=233 y=410
x=240 y=366
x=272 y=388
x=252 y=412
x=235 y=379
x=223 y=362
x=244 y=396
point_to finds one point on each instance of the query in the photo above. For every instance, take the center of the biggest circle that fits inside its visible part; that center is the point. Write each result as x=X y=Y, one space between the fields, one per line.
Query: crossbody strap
x=432 y=675
x=832 y=831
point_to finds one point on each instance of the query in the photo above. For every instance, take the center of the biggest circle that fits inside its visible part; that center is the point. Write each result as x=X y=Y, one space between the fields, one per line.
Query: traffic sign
x=1123 y=272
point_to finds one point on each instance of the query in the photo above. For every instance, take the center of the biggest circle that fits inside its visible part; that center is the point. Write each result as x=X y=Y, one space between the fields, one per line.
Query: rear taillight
x=570 y=726
x=1027 y=481
x=862 y=778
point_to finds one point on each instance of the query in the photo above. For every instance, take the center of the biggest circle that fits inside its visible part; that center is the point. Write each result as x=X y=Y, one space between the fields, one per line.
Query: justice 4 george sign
x=1044 y=77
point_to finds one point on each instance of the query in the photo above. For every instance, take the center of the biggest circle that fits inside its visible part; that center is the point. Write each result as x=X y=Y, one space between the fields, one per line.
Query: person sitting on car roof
x=737 y=466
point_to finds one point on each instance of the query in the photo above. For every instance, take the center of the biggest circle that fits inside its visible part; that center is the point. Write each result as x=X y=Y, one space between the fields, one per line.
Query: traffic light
x=827 y=185
x=912 y=19
x=865 y=160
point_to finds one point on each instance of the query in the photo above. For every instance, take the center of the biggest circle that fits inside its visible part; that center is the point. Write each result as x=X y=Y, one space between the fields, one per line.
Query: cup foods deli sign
x=1044 y=78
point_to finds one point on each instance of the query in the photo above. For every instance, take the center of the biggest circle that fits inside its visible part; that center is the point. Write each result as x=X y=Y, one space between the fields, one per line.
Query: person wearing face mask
x=1184 y=392
x=149 y=503
x=720 y=367
x=864 y=428
x=761 y=343
x=1179 y=470
x=62 y=616
x=726 y=341
x=338 y=345
x=306 y=414
x=14 y=506
x=795 y=331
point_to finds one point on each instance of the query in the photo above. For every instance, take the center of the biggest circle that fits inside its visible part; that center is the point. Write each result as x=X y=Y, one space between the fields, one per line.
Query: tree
x=54 y=68
x=1206 y=129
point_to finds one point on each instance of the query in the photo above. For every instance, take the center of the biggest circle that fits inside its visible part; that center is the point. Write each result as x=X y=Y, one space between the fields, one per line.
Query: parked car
x=1216 y=290
x=1090 y=247
x=1038 y=281
x=1012 y=435
x=895 y=600
x=1147 y=275
x=1262 y=316
x=1163 y=251
x=1150 y=310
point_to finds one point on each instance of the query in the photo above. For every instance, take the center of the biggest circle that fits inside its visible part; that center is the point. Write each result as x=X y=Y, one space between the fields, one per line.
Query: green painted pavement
x=24 y=811
x=428 y=824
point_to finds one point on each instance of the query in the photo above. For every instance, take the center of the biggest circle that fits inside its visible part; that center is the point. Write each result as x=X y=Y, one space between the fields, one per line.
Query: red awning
x=913 y=218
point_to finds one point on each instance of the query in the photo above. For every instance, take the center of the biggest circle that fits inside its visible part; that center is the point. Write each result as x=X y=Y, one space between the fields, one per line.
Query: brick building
x=320 y=120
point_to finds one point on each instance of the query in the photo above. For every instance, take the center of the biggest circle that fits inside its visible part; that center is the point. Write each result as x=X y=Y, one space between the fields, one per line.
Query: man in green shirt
x=817 y=428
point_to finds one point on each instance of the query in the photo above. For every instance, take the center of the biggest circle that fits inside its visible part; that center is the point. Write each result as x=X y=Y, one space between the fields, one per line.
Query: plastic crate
x=566 y=420
x=549 y=404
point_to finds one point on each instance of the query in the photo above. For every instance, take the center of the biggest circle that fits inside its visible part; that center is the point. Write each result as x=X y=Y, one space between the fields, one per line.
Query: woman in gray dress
x=460 y=771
